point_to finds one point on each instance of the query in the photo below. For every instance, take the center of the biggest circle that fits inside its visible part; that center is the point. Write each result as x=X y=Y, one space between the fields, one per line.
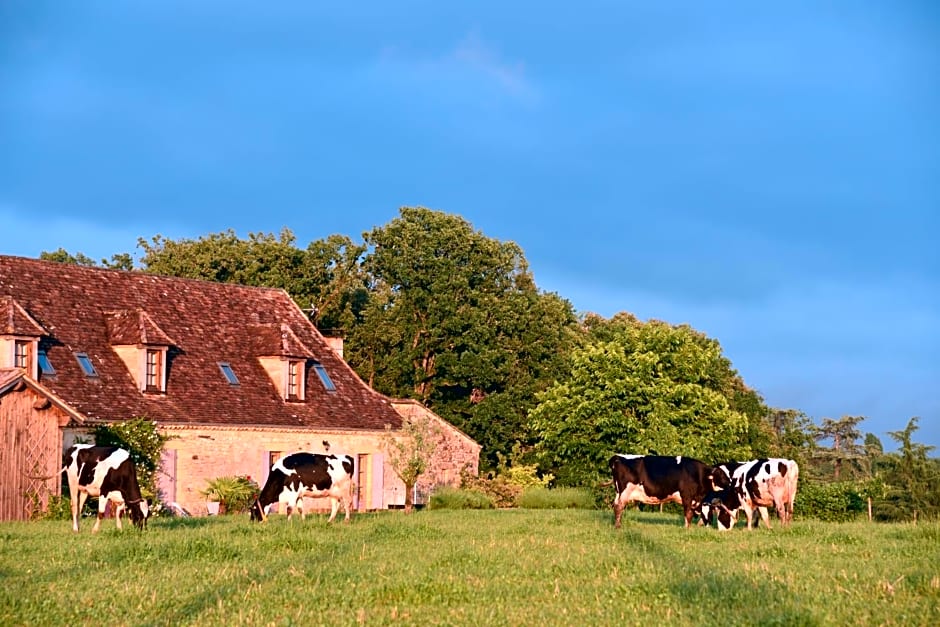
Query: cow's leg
x=618 y=511
x=82 y=497
x=102 y=506
x=764 y=516
x=749 y=512
x=334 y=507
x=76 y=507
x=347 y=505
x=118 y=511
x=689 y=509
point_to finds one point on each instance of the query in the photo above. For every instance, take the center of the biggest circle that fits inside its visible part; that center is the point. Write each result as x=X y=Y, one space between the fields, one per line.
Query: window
x=325 y=378
x=153 y=373
x=45 y=366
x=21 y=354
x=228 y=373
x=293 y=380
x=87 y=367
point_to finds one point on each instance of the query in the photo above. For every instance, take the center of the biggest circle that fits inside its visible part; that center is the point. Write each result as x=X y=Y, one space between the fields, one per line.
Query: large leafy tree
x=325 y=278
x=455 y=320
x=644 y=388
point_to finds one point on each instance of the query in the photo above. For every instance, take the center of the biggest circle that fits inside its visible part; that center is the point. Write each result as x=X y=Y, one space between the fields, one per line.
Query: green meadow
x=447 y=567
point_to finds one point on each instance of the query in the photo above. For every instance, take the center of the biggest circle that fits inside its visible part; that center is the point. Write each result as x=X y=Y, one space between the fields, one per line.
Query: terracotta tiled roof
x=15 y=321
x=135 y=327
x=90 y=310
x=277 y=340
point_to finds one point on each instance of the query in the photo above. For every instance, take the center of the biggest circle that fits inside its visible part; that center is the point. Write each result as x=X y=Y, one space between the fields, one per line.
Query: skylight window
x=324 y=377
x=228 y=373
x=45 y=366
x=85 y=362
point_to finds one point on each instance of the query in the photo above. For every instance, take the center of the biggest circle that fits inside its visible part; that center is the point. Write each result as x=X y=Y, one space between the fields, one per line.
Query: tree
x=917 y=478
x=410 y=451
x=792 y=435
x=119 y=261
x=455 y=321
x=843 y=433
x=325 y=279
x=645 y=388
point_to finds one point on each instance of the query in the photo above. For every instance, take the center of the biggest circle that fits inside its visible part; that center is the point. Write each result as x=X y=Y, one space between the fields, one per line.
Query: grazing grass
x=495 y=567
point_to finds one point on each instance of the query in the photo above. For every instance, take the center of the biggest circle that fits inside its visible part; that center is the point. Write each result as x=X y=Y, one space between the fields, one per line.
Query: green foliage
x=120 y=261
x=410 y=451
x=508 y=482
x=916 y=478
x=830 y=502
x=145 y=443
x=455 y=320
x=235 y=494
x=651 y=388
x=452 y=498
x=325 y=277
x=539 y=497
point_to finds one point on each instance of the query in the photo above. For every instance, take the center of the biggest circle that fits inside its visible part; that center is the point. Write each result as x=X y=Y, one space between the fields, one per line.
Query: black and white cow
x=307 y=474
x=108 y=473
x=656 y=479
x=756 y=484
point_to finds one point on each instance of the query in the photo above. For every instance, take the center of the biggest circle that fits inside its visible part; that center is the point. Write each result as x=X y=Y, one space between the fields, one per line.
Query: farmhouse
x=237 y=377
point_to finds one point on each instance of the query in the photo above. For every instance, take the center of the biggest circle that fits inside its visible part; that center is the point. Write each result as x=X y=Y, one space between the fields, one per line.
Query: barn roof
x=76 y=309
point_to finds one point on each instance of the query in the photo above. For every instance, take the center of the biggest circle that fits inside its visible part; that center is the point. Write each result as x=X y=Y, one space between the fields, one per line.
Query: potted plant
x=229 y=494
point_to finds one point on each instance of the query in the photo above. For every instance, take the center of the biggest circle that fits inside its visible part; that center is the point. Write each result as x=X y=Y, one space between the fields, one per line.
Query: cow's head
x=257 y=512
x=139 y=512
x=720 y=478
x=724 y=504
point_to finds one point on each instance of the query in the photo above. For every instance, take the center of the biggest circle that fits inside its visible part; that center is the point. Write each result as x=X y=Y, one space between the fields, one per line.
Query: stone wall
x=195 y=455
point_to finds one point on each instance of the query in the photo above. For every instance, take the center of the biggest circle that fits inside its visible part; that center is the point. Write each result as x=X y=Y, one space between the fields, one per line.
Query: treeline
x=432 y=309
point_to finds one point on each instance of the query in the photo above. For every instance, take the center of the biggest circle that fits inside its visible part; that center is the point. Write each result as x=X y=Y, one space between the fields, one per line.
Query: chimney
x=336 y=343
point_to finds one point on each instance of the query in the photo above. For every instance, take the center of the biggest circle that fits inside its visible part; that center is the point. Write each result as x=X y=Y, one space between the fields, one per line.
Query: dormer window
x=294 y=380
x=153 y=370
x=142 y=346
x=22 y=354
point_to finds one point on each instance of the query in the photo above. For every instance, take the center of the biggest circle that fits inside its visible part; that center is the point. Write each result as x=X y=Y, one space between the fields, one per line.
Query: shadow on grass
x=708 y=594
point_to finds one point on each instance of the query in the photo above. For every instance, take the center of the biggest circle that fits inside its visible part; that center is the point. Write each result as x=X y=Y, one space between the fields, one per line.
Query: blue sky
x=768 y=174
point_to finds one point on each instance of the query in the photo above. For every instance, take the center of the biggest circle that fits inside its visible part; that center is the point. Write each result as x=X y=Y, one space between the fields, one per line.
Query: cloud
x=473 y=67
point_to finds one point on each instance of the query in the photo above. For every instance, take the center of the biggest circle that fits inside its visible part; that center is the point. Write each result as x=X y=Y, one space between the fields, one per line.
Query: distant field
x=514 y=567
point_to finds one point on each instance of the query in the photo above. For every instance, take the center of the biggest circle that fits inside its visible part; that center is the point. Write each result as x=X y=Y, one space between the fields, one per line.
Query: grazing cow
x=307 y=474
x=756 y=484
x=655 y=479
x=108 y=473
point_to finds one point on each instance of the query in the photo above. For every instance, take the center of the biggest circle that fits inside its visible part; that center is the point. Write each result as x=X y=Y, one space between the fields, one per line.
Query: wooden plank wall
x=30 y=452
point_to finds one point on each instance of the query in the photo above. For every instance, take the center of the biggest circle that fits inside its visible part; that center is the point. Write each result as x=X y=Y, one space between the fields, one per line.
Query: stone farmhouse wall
x=195 y=455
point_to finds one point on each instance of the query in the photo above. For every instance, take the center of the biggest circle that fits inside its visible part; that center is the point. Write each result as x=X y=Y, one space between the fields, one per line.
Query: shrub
x=236 y=494
x=507 y=485
x=831 y=502
x=144 y=442
x=453 y=498
x=538 y=497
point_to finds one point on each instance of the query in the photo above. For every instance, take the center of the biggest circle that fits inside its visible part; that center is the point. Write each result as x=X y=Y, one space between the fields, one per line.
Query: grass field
x=512 y=567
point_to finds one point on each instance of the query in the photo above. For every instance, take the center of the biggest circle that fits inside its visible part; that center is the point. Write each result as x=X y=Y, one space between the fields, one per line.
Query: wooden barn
x=236 y=376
